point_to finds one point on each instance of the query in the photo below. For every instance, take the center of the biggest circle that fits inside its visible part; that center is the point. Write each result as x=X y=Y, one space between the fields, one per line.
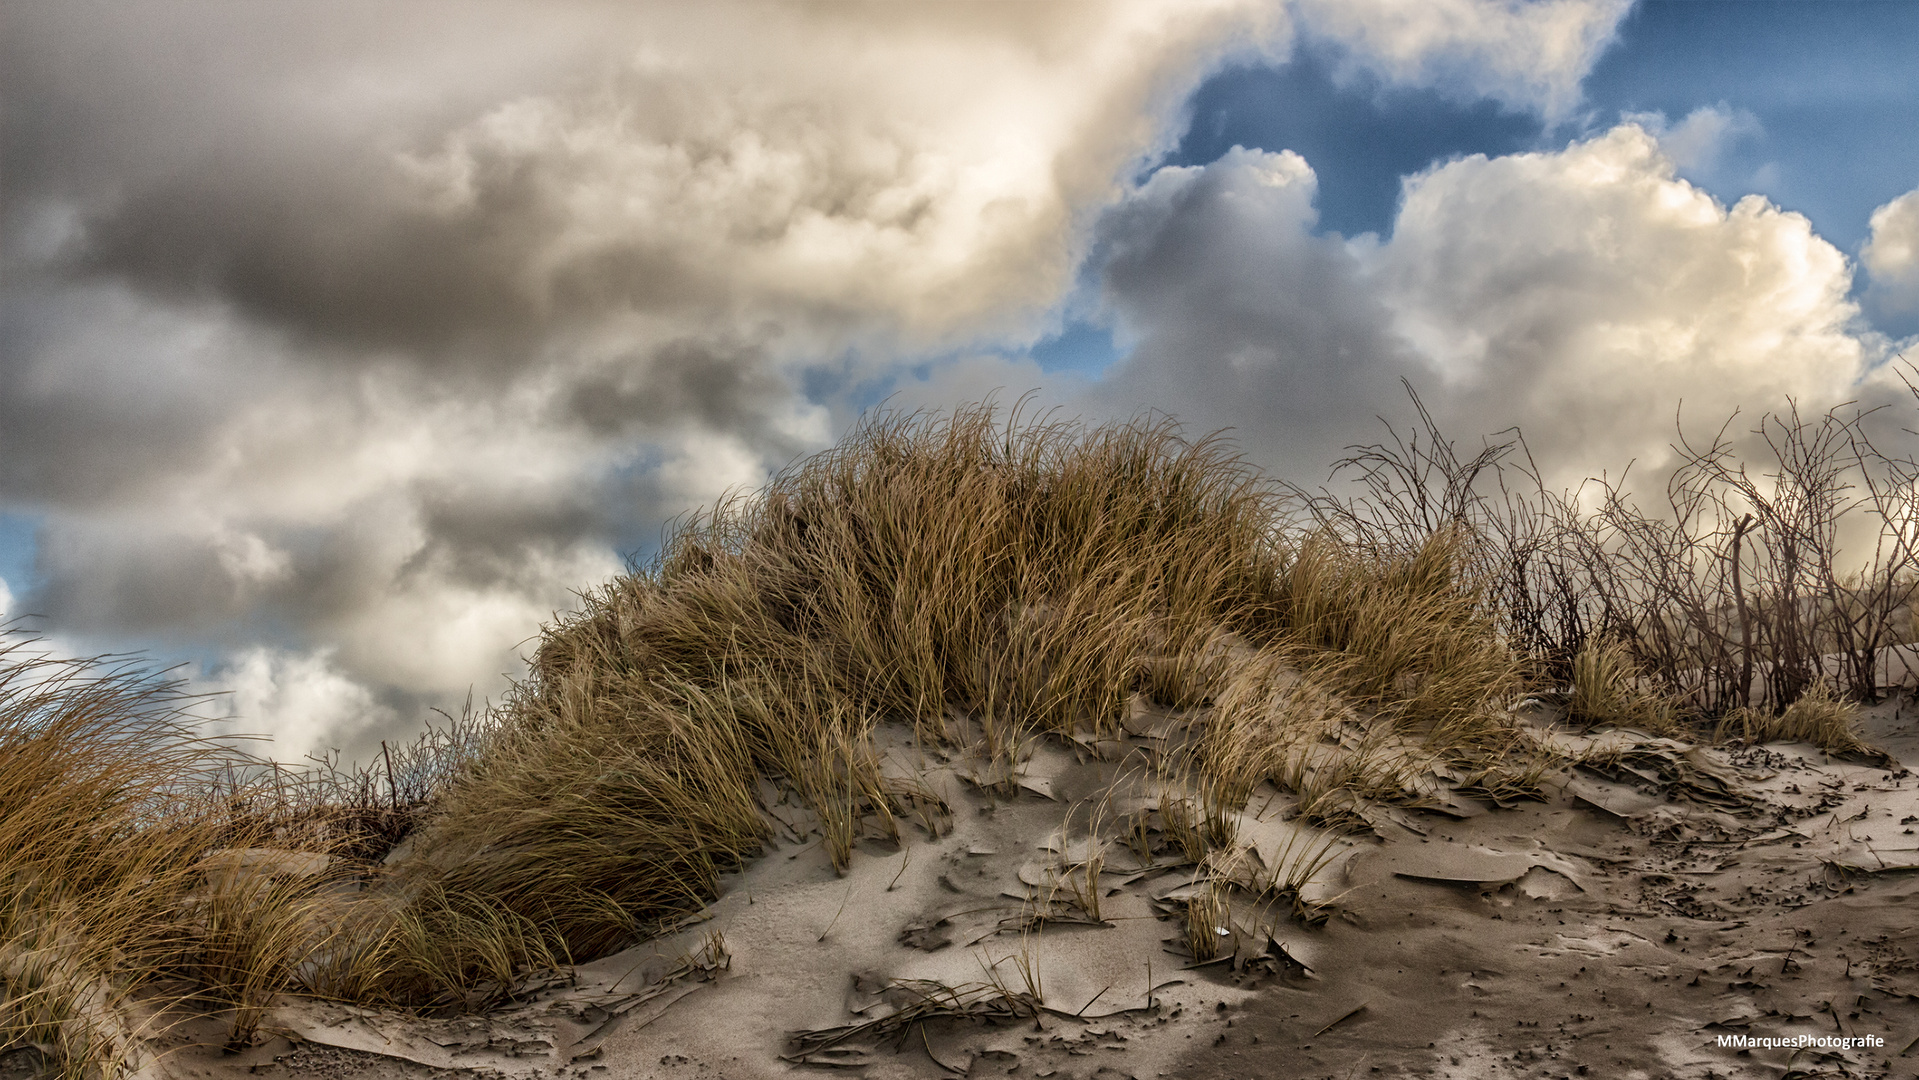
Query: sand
x=1620 y=928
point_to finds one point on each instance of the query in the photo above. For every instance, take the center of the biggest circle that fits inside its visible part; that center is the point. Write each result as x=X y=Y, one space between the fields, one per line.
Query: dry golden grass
x=104 y=825
x=1208 y=915
x=144 y=868
x=591 y=825
x=1608 y=688
x=981 y=580
x=987 y=580
x=1026 y=577
x=1818 y=717
x=1407 y=636
x=433 y=949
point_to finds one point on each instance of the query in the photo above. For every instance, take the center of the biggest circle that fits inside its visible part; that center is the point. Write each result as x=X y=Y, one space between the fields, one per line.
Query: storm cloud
x=341 y=344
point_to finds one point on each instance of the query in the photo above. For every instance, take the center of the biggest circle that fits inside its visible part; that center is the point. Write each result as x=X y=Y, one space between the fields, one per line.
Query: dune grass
x=986 y=579
x=1027 y=577
x=1609 y=688
x=1819 y=717
x=145 y=868
x=105 y=817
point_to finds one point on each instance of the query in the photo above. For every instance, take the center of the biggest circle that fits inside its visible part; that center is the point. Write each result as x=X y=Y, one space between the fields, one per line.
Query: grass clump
x=436 y=949
x=1818 y=717
x=1403 y=630
x=1607 y=688
x=591 y=824
x=1208 y=920
x=105 y=830
x=984 y=581
x=146 y=869
x=1023 y=578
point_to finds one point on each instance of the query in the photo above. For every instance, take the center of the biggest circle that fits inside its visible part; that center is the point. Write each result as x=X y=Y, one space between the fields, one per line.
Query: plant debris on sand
x=952 y=640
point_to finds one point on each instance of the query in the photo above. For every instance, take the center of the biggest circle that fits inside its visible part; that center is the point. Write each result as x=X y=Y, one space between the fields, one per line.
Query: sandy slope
x=1615 y=930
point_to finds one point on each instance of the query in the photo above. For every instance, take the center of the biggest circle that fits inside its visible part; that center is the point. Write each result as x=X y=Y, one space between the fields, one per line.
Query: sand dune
x=1662 y=897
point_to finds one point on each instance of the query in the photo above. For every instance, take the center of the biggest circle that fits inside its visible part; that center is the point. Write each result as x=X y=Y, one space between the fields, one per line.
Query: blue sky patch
x=1360 y=137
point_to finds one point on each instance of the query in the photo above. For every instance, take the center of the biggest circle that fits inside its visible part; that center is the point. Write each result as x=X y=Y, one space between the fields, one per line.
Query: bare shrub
x=1750 y=583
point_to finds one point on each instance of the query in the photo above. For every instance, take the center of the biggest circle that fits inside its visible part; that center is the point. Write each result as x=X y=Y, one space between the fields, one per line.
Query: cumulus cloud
x=345 y=343
x=1239 y=315
x=1891 y=254
x=1578 y=287
x=904 y=170
x=299 y=701
x=1580 y=294
x=1694 y=145
x=1525 y=54
x=373 y=335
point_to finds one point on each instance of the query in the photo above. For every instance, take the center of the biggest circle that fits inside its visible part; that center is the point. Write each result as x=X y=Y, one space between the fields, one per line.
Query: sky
x=342 y=345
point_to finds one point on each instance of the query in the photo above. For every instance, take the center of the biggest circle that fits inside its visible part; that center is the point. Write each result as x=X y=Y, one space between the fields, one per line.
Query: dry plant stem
x=1206 y=916
x=1749 y=583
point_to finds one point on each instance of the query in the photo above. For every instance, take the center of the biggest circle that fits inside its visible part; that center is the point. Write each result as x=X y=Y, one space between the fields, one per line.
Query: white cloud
x=1891 y=254
x=299 y=702
x=920 y=173
x=1526 y=54
x=429 y=320
x=1581 y=294
x=384 y=329
x=1695 y=144
x=1588 y=291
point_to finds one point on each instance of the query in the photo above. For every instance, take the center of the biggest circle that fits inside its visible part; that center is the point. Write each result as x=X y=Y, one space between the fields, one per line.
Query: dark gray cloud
x=95 y=397
x=719 y=384
x=331 y=260
x=347 y=341
x=1243 y=317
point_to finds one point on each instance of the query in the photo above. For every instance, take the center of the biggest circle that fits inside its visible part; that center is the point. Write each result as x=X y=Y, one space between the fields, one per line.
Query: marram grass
x=985 y=580
x=1030 y=577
